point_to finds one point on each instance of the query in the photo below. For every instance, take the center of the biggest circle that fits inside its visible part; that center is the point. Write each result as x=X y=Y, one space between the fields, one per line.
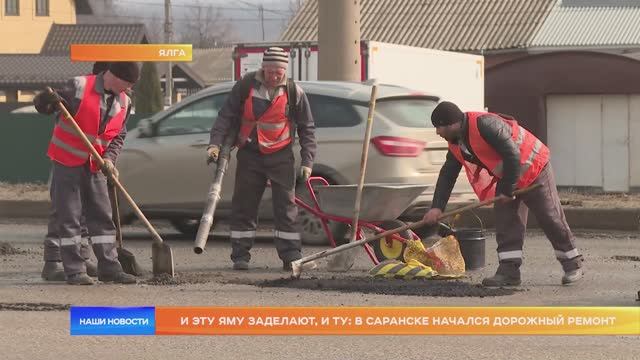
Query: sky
x=241 y=16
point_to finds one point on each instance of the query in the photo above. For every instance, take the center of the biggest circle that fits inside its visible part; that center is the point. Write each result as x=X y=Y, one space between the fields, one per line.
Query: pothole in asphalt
x=626 y=257
x=368 y=285
x=33 y=307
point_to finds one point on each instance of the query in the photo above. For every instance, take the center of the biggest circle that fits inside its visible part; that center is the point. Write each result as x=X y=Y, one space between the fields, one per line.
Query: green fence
x=24 y=139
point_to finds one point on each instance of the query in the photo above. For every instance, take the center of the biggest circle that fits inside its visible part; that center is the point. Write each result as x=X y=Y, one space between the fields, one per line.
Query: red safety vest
x=274 y=129
x=66 y=147
x=534 y=155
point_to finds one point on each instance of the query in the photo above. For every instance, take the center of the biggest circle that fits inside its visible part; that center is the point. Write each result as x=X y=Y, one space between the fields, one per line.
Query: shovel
x=161 y=254
x=297 y=265
x=125 y=257
x=344 y=261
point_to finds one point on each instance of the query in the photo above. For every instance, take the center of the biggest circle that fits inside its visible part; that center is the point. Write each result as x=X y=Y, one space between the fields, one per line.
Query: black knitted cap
x=445 y=114
x=125 y=70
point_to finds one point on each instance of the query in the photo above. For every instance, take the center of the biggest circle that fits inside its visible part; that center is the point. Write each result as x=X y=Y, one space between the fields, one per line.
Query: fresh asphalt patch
x=382 y=286
x=33 y=307
x=626 y=257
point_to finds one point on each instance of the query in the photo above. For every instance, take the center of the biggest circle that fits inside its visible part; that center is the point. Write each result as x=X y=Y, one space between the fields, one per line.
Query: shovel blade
x=129 y=263
x=162 y=258
x=342 y=262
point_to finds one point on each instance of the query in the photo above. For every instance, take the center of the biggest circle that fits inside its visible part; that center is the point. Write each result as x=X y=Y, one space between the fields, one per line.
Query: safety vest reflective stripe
x=103 y=239
x=74 y=240
x=242 y=234
x=283 y=137
x=83 y=154
x=270 y=126
x=497 y=170
x=516 y=254
x=69 y=129
x=562 y=255
x=287 y=235
x=102 y=142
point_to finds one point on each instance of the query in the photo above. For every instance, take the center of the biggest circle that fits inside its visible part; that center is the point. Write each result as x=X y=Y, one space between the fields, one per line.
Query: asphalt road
x=612 y=279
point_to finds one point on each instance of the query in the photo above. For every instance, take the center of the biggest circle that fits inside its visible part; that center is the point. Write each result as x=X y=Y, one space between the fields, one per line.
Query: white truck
x=452 y=76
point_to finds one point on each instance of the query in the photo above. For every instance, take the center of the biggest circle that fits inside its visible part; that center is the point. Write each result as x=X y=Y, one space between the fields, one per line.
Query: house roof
x=34 y=70
x=590 y=26
x=457 y=25
x=213 y=65
x=61 y=36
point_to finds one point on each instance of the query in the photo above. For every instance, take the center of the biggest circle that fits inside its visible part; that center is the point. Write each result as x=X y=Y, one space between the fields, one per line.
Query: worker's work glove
x=431 y=217
x=46 y=102
x=304 y=174
x=213 y=151
x=50 y=98
x=108 y=168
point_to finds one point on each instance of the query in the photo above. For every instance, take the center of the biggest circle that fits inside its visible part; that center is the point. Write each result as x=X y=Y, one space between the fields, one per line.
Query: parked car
x=163 y=162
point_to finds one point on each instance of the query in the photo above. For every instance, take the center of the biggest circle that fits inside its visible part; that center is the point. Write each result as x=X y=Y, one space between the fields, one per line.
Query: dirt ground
x=40 y=192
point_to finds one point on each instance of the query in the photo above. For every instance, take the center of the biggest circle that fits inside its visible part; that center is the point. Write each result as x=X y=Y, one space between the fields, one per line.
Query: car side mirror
x=145 y=128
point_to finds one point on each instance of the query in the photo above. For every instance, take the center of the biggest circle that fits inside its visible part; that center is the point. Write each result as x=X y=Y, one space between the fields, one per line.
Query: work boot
x=571 y=277
x=53 y=271
x=92 y=268
x=508 y=274
x=120 y=277
x=286 y=265
x=79 y=279
x=240 y=265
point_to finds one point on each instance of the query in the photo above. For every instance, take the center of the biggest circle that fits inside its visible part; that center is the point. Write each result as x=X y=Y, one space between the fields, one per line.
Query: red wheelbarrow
x=381 y=205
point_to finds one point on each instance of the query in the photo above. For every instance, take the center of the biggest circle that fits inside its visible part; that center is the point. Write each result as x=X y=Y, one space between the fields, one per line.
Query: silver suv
x=163 y=162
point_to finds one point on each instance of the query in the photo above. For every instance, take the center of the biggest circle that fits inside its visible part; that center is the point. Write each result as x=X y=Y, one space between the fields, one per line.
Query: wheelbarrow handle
x=297 y=265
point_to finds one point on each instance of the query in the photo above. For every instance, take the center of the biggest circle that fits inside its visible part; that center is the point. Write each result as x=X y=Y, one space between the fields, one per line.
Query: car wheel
x=186 y=226
x=311 y=230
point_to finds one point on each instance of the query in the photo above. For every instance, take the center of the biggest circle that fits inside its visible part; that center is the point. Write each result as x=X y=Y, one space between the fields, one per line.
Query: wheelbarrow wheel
x=393 y=249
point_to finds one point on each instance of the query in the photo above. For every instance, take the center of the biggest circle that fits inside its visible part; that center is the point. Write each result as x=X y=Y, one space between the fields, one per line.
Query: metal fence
x=24 y=139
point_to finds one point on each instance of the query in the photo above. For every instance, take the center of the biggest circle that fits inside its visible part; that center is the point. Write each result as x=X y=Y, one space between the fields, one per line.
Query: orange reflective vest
x=534 y=155
x=273 y=127
x=66 y=147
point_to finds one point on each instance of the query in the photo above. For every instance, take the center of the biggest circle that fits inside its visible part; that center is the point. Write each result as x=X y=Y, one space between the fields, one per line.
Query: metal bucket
x=472 y=247
x=472 y=244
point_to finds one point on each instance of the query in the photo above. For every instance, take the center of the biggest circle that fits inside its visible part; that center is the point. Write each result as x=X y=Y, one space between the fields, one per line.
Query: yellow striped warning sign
x=398 y=270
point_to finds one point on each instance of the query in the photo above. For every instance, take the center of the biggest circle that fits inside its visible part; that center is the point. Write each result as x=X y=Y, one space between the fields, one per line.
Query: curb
x=578 y=218
x=24 y=209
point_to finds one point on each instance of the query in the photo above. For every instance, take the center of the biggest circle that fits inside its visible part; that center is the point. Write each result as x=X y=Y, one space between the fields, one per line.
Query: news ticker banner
x=131 y=52
x=355 y=320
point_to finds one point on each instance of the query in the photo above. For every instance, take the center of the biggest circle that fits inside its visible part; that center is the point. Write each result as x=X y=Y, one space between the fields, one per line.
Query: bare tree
x=294 y=6
x=205 y=27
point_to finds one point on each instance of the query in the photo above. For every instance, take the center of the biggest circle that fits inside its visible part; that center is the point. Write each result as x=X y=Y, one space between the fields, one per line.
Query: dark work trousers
x=77 y=191
x=544 y=202
x=52 y=240
x=253 y=171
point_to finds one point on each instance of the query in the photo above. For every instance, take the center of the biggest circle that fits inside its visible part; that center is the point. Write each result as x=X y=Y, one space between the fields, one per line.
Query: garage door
x=591 y=138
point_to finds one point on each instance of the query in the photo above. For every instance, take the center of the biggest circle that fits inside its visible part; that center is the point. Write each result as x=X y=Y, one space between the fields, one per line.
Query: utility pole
x=261 y=15
x=168 y=39
x=339 y=40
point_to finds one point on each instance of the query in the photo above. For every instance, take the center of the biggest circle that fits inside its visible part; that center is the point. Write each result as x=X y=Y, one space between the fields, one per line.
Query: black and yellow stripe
x=398 y=270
